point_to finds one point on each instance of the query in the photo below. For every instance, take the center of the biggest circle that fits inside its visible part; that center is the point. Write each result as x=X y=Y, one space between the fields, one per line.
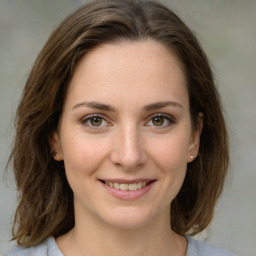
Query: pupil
x=158 y=121
x=96 y=121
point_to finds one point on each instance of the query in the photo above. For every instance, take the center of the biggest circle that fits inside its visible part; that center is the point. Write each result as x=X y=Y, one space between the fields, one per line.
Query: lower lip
x=127 y=194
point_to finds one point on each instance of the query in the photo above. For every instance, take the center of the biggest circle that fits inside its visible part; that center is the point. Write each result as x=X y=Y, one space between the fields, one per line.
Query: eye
x=96 y=121
x=158 y=120
x=161 y=120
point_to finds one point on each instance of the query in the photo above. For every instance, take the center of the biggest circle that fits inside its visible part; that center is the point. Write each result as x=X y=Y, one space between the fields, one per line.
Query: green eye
x=96 y=121
x=158 y=120
x=161 y=120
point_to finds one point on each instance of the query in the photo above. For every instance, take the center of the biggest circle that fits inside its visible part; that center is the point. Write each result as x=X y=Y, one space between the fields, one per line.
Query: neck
x=94 y=237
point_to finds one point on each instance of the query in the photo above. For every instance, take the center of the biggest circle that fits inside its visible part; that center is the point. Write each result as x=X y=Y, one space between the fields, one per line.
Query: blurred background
x=226 y=29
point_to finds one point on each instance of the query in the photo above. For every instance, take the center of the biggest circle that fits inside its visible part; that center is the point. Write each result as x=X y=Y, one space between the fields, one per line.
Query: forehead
x=128 y=70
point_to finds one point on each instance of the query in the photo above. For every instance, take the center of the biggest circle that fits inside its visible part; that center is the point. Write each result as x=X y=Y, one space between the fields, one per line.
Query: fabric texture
x=50 y=248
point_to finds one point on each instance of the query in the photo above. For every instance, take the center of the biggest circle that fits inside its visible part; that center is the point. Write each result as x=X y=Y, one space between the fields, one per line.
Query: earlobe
x=55 y=146
x=195 y=139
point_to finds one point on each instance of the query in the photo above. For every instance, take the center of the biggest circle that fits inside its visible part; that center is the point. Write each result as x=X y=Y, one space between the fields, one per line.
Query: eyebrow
x=159 y=105
x=95 y=105
x=149 y=107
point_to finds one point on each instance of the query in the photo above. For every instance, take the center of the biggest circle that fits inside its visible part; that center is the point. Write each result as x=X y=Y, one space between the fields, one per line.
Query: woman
x=121 y=147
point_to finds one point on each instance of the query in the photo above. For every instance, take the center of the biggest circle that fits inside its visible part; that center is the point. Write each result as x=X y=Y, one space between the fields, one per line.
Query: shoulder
x=46 y=248
x=198 y=248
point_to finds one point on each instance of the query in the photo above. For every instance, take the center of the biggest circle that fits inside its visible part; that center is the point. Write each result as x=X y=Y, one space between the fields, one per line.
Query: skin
x=128 y=144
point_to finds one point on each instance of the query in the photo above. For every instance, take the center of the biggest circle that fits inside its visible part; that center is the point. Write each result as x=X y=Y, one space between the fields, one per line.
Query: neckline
x=52 y=245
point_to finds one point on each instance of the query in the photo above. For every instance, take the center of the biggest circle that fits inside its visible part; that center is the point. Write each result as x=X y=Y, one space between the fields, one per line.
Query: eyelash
x=89 y=118
x=171 y=120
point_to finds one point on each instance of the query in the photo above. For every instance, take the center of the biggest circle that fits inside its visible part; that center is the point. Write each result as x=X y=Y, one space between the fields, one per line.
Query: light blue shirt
x=50 y=248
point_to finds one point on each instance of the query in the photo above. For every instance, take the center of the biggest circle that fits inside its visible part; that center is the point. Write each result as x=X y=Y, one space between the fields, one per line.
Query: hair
x=45 y=199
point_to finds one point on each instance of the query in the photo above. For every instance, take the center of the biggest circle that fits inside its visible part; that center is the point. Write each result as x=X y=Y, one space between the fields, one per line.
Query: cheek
x=172 y=151
x=83 y=154
x=171 y=156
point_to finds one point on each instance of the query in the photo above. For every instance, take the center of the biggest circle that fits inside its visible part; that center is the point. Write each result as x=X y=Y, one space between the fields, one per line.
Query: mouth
x=126 y=186
x=128 y=189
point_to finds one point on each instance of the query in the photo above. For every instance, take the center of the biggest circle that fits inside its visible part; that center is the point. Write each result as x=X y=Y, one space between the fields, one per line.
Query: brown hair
x=45 y=199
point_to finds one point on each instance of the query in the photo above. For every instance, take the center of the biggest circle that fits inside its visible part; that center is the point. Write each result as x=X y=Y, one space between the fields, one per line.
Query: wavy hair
x=45 y=199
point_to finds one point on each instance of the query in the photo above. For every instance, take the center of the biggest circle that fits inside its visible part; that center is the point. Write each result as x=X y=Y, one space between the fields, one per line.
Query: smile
x=126 y=187
x=128 y=190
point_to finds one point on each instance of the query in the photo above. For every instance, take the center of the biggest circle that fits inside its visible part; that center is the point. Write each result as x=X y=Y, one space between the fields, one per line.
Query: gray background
x=226 y=29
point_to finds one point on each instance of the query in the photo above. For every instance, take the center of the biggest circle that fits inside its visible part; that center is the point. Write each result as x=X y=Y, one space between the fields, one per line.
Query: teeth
x=116 y=185
x=126 y=187
x=139 y=185
x=133 y=187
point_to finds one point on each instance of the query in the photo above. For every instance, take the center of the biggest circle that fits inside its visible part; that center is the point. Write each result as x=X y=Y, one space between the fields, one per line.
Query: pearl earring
x=191 y=157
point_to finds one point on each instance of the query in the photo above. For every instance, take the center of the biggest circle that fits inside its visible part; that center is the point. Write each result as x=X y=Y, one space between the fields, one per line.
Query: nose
x=128 y=150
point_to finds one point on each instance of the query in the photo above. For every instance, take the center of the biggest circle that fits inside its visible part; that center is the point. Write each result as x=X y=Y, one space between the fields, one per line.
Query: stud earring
x=191 y=157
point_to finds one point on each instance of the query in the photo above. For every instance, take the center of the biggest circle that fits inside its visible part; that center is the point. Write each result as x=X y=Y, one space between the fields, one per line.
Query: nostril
x=128 y=151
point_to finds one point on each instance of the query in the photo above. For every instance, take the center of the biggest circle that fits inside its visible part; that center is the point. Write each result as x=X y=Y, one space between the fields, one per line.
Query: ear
x=195 y=138
x=55 y=146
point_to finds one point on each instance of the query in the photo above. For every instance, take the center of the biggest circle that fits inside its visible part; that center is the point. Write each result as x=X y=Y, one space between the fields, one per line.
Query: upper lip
x=125 y=181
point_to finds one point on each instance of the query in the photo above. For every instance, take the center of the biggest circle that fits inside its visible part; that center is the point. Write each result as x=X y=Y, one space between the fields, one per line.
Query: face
x=125 y=134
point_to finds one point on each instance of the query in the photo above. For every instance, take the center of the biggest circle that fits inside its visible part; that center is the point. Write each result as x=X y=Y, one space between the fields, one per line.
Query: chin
x=129 y=219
